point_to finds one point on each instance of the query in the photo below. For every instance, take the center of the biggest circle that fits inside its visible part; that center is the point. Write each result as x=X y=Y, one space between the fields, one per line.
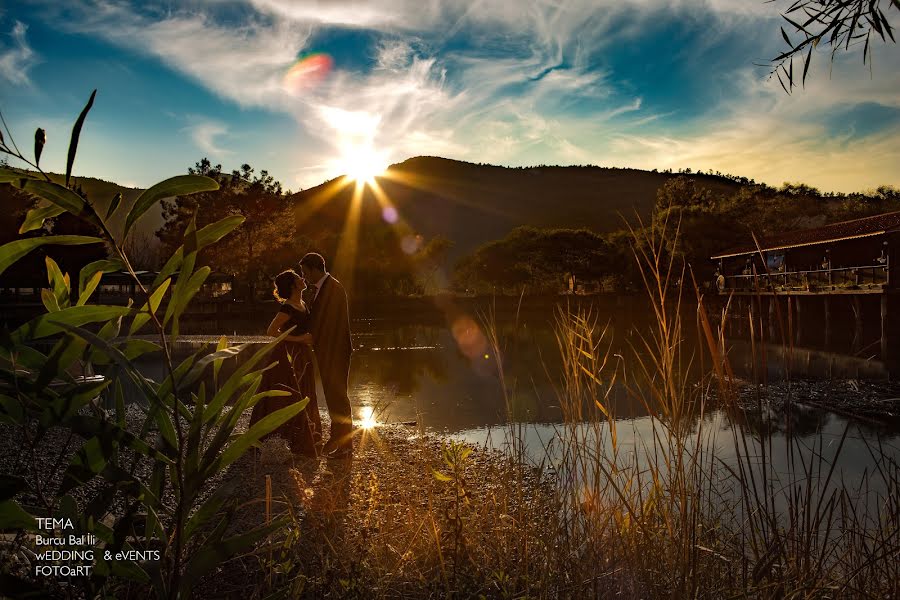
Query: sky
x=311 y=89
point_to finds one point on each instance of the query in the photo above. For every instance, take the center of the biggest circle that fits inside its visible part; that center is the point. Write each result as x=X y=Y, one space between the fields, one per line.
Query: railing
x=823 y=280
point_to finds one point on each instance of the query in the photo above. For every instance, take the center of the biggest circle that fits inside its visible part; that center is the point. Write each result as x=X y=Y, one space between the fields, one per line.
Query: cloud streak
x=204 y=134
x=522 y=82
x=17 y=60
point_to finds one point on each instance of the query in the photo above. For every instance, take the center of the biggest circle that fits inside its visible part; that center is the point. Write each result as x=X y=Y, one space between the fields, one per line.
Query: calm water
x=446 y=378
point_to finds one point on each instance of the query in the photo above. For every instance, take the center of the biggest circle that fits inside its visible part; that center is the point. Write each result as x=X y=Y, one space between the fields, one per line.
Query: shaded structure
x=851 y=259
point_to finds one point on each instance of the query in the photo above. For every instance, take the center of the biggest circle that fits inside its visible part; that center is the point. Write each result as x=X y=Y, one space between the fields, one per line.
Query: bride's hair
x=284 y=284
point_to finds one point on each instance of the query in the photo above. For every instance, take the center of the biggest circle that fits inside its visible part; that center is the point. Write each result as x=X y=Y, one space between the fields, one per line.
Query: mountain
x=472 y=204
x=101 y=193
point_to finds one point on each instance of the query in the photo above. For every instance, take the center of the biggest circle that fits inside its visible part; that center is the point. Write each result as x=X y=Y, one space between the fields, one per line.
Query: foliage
x=135 y=485
x=264 y=242
x=838 y=24
x=537 y=259
x=540 y=259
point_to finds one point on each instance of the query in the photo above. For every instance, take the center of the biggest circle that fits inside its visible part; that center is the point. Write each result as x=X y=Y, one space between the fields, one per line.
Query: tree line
x=554 y=260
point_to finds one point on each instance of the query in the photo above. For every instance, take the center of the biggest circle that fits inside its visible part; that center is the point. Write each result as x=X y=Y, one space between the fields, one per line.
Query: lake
x=446 y=378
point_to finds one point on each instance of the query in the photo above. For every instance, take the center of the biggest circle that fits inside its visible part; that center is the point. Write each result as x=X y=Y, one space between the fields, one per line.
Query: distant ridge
x=474 y=203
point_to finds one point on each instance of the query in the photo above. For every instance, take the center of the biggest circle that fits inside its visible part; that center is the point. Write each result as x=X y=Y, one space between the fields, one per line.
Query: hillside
x=471 y=204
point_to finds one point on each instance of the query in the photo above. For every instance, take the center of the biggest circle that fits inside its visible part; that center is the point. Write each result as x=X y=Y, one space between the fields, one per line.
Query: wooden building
x=852 y=257
x=849 y=259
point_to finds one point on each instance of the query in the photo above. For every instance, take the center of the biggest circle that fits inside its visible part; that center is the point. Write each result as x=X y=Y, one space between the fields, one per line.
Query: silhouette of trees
x=261 y=246
x=540 y=259
x=839 y=24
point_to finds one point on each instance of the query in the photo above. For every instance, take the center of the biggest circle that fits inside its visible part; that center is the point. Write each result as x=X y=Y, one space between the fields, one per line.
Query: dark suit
x=330 y=328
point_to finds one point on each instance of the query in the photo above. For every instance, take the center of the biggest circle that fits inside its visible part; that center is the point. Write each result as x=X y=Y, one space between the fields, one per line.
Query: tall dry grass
x=672 y=506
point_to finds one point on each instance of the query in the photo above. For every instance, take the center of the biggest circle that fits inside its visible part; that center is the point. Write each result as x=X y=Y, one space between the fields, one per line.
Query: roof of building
x=836 y=232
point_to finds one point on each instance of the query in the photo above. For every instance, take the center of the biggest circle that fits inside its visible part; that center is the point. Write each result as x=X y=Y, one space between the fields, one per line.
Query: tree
x=837 y=23
x=261 y=246
x=539 y=259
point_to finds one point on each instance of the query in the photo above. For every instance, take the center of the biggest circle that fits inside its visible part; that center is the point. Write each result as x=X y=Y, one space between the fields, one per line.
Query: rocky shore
x=871 y=401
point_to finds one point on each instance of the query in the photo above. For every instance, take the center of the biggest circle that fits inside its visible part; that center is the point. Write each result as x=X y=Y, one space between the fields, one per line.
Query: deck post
x=798 y=320
x=772 y=300
x=884 y=327
x=857 y=322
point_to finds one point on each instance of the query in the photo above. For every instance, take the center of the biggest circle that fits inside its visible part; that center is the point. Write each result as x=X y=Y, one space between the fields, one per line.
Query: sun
x=363 y=164
x=367 y=418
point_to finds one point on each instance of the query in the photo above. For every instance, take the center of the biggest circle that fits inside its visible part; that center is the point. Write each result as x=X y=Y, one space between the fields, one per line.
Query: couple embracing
x=315 y=304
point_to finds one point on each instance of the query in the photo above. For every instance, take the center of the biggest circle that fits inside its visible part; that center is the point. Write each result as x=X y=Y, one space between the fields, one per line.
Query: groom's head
x=312 y=265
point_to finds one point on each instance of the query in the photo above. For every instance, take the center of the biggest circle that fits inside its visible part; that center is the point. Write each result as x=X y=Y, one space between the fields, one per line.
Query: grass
x=682 y=508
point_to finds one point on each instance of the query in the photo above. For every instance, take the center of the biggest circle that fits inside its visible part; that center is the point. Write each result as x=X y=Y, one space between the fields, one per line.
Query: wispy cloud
x=19 y=58
x=511 y=82
x=204 y=134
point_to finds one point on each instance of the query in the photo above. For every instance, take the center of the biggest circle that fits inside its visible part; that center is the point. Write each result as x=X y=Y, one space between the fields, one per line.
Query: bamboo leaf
x=40 y=138
x=149 y=307
x=34 y=218
x=806 y=64
x=76 y=133
x=209 y=556
x=13 y=251
x=181 y=185
x=206 y=236
x=13 y=516
x=99 y=266
x=89 y=288
x=50 y=324
x=264 y=426
x=117 y=199
x=10 y=485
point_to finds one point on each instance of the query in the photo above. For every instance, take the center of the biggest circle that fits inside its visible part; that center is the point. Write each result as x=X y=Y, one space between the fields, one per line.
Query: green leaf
x=89 y=288
x=211 y=507
x=13 y=251
x=215 y=358
x=76 y=132
x=117 y=199
x=8 y=175
x=50 y=324
x=11 y=410
x=207 y=235
x=59 y=195
x=234 y=382
x=264 y=426
x=210 y=556
x=49 y=300
x=222 y=345
x=34 y=218
x=13 y=516
x=149 y=307
x=181 y=185
x=64 y=353
x=58 y=282
x=440 y=476
x=184 y=292
x=10 y=485
x=98 y=266
x=40 y=138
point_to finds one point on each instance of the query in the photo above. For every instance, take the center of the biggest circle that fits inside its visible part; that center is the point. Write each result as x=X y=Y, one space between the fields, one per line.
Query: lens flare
x=410 y=244
x=389 y=214
x=367 y=419
x=468 y=336
x=307 y=72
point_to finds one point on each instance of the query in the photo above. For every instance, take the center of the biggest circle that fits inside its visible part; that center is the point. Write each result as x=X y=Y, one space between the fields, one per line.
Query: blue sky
x=644 y=84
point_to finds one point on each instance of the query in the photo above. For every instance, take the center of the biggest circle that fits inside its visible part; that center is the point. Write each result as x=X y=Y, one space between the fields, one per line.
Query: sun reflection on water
x=367 y=418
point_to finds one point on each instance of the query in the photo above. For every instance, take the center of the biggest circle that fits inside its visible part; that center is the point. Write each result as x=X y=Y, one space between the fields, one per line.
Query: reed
x=663 y=507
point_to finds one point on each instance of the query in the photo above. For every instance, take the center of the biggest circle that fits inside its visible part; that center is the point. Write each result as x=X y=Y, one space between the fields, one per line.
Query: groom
x=330 y=330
